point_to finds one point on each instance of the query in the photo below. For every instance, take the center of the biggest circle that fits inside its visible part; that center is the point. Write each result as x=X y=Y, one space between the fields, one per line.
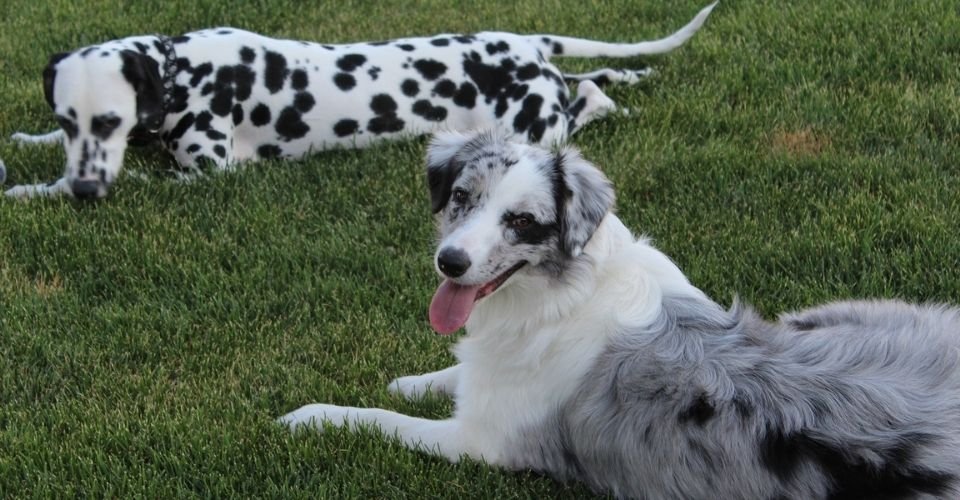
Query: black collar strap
x=169 y=74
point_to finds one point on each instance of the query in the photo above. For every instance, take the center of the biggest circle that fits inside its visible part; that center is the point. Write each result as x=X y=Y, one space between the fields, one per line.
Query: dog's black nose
x=85 y=190
x=453 y=262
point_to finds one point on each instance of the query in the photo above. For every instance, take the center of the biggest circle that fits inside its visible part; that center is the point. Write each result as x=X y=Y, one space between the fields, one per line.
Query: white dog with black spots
x=218 y=97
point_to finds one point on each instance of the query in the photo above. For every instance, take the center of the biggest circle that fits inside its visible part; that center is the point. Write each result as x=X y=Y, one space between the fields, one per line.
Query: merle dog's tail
x=557 y=46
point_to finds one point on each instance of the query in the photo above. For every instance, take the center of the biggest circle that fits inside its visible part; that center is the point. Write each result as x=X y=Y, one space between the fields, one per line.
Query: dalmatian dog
x=219 y=97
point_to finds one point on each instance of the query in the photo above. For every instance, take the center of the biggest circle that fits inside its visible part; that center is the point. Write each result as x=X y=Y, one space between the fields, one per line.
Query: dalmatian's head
x=99 y=96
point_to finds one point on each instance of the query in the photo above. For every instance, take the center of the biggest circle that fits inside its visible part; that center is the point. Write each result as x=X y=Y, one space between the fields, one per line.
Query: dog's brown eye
x=520 y=222
x=460 y=196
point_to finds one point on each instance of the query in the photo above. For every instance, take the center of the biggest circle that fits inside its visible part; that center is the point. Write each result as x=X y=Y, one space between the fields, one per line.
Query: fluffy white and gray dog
x=589 y=356
x=219 y=97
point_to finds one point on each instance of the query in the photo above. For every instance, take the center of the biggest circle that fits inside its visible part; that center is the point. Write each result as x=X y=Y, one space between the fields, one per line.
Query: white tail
x=578 y=47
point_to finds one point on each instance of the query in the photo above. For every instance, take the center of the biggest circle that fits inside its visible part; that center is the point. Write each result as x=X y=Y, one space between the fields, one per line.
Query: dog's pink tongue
x=451 y=306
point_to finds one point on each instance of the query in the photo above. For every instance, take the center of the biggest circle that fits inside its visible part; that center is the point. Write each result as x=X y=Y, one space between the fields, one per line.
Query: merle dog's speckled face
x=99 y=95
x=503 y=205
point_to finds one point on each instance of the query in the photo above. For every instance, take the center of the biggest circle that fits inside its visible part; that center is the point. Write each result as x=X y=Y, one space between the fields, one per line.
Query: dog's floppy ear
x=143 y=74
x=442 y=169
x=50 y=76
x=584 y=196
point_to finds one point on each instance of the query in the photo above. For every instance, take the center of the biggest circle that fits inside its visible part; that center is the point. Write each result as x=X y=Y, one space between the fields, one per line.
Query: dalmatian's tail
x=561 y=46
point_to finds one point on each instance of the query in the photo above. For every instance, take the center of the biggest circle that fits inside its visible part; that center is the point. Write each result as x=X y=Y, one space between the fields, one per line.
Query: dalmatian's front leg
x=58 y=187
x=200 y=151
x=439 y=437
x=55 y=137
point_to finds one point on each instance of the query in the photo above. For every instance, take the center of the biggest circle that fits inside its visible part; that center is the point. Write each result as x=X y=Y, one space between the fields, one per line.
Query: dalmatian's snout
x=88 y=189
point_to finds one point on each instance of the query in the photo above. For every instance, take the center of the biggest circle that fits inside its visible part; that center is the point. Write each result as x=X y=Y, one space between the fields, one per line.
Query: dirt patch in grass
x=803 y=142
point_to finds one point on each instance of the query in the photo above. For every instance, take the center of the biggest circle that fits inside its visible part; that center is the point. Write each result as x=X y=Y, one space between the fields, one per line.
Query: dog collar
x=169 y=74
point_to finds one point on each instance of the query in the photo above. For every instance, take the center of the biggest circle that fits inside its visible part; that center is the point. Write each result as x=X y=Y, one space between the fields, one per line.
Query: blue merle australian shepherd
x=589 y=356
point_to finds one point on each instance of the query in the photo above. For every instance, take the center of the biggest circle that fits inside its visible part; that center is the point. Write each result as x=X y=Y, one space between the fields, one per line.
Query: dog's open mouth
x=452 y=304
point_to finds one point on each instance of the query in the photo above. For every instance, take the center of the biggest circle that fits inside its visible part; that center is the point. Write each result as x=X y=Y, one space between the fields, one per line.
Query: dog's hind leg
x=591 y=103
x=55 y=137
x=609 y=75
x=56 y=188
x=416 y=386
x=440 y=437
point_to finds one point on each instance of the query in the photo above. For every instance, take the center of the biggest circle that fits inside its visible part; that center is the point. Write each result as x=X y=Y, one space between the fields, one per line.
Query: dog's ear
x=583 y=197
x=442 y=169
x=143 y=74
x=50 y=76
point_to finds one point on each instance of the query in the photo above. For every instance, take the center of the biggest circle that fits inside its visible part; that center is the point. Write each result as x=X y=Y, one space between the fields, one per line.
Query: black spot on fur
x=466 y=96
x=141 y=47
x=428 y=111
x=410 y=88
x=528 y=71
x=519 y=92
x=69 y=127
x=344 y=81
x=557 y=48
x=382 y=104
x=346 y=127
x=102 y=126
x=351 y=62
x=244 y=79
x=260 y=115
x=275 y=72
x=303 y=101
x=440 y=42
x=490 y=80
x=193 y=148
x=203 y=121
x=429 y=68
x=222 y=102
x=247 y=55
x=894 y=475
x=465 y=39
x=184 y=124
x=224 y=32
x=386 y=120
x=374 y=72
x=290 y=125
x=216 y=135
x=406 y=47
x=501 y=46
x=237 y=114
x=699 y=412
x=267 y=151
x=529 y=112
x=445 y=88
x=199 y=73
x=220 y=151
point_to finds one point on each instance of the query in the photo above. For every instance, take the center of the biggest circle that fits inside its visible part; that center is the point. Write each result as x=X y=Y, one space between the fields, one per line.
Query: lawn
x=793 y=152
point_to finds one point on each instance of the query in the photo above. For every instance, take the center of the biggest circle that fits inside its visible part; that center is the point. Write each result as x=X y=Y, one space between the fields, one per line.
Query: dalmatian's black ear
x=143 y=74
x=50 y=76
x=584 y=198
x=442 y=168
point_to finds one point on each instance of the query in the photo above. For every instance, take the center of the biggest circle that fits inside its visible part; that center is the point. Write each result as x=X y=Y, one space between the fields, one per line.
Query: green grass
x=791 y=153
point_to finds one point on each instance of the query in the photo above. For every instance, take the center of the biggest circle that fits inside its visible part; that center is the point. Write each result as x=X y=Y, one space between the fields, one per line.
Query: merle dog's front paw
x=314 y=415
